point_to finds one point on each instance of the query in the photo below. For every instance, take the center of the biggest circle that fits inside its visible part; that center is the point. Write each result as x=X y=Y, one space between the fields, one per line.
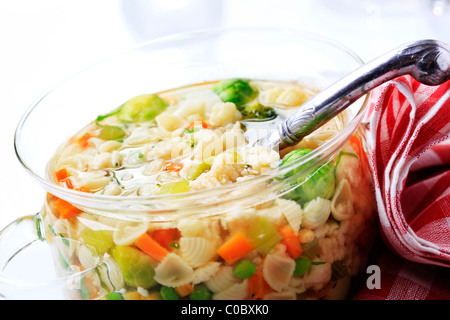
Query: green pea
x=244 y=269
x=168 y=293
x=302 y=265
x=114 y=296
x=200 y=293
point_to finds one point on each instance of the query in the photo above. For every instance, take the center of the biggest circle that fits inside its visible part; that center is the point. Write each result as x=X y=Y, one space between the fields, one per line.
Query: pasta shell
x=173 y=271
x=196 y=251
x=112 y=276
x=125 y=235
x=316 y=213
x=292 y=212
x=238 y=291
x=278 y=270
x=342 y=202
x=222 y=280
x=170 y=122
x=87 y=256
x=205 y=272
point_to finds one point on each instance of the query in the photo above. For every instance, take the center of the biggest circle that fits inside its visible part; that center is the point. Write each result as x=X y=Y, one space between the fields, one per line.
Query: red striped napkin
x=409 y=136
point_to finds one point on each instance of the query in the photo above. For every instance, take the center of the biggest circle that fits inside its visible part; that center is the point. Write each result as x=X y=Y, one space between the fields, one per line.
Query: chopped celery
x=174 y=187
x=196 y=170
x=144 y=107
x=263 y=235
x=138 y=268
x=111 y=133
x=100 y=240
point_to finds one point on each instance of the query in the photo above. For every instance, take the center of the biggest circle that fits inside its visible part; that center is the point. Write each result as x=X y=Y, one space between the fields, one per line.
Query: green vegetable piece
x=174 y=187
x=244 y=269
x=100 y=240
x=138 y=268
x=255 y=110
x=84 y=290
x=200 y=293
x=316 y=183
x=168 y=293
x=196 y=170
x=111 y=133
x=144 y=107
x=115 y=296
x=237 y=91
x=263 y=235
x=302 y=265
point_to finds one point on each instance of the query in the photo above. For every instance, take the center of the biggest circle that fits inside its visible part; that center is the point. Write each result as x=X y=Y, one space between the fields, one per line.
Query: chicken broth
x=298 y=246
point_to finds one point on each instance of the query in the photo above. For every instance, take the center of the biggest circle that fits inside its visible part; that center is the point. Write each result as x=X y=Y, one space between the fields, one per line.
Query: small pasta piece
x=87 y=256
x=233 y=138
x=142 y=135
x=318 y=276
x=205 y=272
x=342 y=202
x=196 y=251
x=292 y=212
x=283 y=295
x=316 y=213
x=112 y=275
x=222 y=280
x=153 y=167
x=173 y=271
x=109 y=146
x=238 y=291
x=224 y=113
x=126 y=234
x=169 y=122
x=278 y=270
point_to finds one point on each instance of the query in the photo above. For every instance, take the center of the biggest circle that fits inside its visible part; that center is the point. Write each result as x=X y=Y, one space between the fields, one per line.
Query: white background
x=43 y=41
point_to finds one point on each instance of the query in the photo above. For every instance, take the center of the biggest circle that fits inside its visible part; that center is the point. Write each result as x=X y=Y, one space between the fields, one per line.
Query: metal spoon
x=427 y=61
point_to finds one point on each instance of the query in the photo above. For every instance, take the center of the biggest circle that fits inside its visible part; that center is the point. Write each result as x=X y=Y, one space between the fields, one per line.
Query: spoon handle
x=427 y=61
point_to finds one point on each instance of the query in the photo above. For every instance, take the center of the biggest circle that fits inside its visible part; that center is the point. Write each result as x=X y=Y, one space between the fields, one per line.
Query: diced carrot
x=151 y=247
x=291 y=241
x=165 y=236
x=235 y=248
x=61 y=174
x=257 y=286
x=66 y=209
x=197 y=124
x=83 y=141
x=173 y=167
x=82 y=189
x=184 y=290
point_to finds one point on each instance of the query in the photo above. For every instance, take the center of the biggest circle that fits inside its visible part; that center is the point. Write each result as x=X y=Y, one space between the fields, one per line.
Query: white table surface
x=44 y=41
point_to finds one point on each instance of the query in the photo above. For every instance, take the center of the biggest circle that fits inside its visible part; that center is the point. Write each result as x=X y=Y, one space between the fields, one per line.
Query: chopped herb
x=64 y=240
x=192 y=130
x=140 y=155
x=174 y=245
x=316 y=263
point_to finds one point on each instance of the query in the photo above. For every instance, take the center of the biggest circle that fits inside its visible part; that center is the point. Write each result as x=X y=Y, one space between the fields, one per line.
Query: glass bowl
x=85 y=271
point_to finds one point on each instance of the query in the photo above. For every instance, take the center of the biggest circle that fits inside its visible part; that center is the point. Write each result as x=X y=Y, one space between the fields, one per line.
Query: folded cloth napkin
x=409 y=128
